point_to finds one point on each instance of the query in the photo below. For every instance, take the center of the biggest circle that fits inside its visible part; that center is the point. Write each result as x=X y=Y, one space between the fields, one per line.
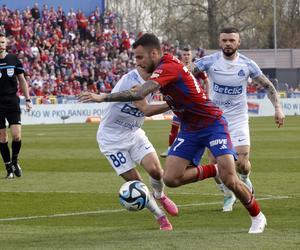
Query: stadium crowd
x=65 y=53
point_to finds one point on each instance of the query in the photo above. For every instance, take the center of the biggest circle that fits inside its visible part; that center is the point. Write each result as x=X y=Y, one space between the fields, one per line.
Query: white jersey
x=228 y=83
x=121 y=121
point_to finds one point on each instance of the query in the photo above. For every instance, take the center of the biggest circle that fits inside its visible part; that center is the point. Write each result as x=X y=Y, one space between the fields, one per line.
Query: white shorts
x=124 y=156
x=239 y=132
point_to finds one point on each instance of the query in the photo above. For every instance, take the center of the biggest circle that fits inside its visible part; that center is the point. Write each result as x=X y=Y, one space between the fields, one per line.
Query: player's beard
x=150 y=68
x=2 y=52
x=229 y=51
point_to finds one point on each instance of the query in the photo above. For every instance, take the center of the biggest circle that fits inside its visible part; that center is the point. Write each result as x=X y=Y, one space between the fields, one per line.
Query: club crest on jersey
x=156 y=73
x=241 y=73
x=10 y=72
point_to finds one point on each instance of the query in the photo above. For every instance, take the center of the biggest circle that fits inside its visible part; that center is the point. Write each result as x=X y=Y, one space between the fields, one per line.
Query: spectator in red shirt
x=15 y=26
x=82 y=23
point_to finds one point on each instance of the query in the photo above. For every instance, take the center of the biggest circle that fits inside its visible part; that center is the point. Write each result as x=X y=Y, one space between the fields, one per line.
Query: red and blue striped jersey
x=184 y=95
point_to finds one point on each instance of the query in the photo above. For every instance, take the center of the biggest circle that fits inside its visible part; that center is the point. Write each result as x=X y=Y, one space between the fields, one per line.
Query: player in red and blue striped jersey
x=202 y=124
x=186 y=59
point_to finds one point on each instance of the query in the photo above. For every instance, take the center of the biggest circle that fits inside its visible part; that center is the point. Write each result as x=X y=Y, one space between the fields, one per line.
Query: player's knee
x=171 y=182
x=3 y=138
x=16 y=137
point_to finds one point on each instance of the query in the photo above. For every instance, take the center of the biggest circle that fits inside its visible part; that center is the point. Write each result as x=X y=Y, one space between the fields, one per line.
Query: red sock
x=252 y=207
x=206 y=171
x=173 y=133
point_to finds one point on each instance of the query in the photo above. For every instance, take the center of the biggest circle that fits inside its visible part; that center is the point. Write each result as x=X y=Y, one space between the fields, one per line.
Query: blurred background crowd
x=65 y=53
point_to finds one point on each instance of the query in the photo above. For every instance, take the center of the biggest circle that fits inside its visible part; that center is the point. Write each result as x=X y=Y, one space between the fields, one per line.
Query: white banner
x=79 y=112
x=61 y=113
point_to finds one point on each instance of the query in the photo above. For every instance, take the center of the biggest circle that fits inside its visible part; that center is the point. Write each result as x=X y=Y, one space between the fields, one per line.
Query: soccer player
x=186 y=59
x=11 y=72
x=228 y=72
x=124 y=143
x=202 y=124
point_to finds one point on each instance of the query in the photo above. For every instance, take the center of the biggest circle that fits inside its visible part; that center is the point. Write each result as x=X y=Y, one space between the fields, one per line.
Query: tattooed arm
x=151 y=109
x=263 y=81
x=124 y=96
x=195 y=70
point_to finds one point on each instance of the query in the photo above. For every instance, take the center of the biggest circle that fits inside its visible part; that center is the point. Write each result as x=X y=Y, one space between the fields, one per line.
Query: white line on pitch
x=220 y=202
x=97 y=192
x=120 y=210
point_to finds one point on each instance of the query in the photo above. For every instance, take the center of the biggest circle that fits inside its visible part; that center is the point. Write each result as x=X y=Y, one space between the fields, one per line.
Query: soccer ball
x=134 y=195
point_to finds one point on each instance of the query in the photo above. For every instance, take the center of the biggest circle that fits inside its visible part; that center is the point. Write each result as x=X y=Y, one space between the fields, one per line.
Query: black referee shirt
x=10 y=67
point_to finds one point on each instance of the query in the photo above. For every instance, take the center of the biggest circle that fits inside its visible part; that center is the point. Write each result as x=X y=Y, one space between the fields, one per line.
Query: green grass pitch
x=68 y=196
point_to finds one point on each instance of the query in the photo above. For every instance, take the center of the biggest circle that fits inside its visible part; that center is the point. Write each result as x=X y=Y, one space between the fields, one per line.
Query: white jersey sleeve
x=228 y=82
x=121 y=120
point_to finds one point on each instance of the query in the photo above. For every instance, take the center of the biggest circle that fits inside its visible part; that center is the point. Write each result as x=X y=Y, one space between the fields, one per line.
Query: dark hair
x=229 y=30
x=2 y=34
x=186 y=47
x=147 y=40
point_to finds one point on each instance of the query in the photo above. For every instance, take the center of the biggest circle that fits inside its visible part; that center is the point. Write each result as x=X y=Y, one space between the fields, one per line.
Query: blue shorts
x=191 y=145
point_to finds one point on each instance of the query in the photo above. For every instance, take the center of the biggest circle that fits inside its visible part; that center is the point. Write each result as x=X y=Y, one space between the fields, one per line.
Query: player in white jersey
x=228 y=73
x=124 y=143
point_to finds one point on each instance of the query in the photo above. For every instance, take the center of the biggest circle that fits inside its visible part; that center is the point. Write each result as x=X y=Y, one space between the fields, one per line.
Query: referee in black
x=11 y=72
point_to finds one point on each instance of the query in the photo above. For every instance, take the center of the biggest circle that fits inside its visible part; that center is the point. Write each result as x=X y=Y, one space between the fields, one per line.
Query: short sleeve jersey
x=184 y=95
x=228 y=82
x=10 y=67
x=122 y=120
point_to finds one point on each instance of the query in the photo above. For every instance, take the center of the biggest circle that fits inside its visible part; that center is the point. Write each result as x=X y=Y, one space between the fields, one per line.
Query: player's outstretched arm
x=124 y=96
x=151 y=109
x=263 y=81
x=90 y=97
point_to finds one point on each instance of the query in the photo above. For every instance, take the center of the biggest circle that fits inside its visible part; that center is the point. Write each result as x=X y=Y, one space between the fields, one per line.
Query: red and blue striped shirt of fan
x=184 y=95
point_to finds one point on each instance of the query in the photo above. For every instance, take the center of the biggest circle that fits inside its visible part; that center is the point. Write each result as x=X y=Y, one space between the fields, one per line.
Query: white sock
x=244 y=177
x=225 y=190
x=221 y=187
x=246 y=180
x=154 y=208
x=158 y=187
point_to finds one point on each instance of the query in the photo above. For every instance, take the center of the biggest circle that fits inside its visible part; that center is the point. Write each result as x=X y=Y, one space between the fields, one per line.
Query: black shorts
x=9 y=110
